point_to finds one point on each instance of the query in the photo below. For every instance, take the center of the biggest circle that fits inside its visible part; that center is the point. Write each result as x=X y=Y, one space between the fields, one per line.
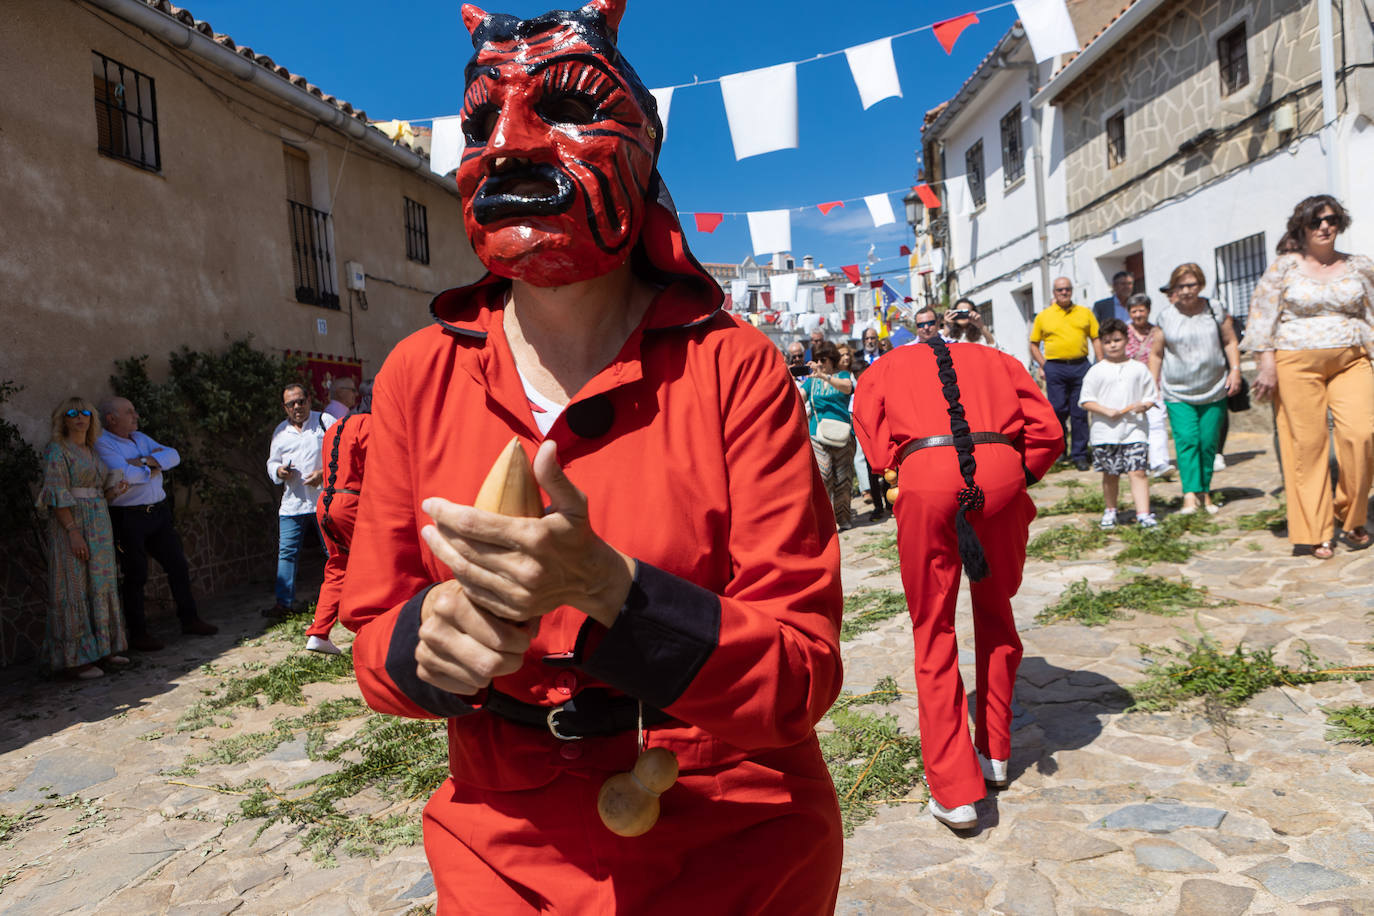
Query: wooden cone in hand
x=510 y=488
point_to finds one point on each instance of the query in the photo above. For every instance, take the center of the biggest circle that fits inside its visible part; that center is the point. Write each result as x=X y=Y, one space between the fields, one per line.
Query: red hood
x=661 y=257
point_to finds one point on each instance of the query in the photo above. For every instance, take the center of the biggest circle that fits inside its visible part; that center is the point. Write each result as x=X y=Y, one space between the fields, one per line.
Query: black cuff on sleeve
x=663 y=636
x=1030 y=478
x=400 y=665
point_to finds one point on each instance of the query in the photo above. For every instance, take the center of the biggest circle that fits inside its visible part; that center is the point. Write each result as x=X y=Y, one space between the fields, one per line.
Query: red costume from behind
x=900 y=399
x=344 y=452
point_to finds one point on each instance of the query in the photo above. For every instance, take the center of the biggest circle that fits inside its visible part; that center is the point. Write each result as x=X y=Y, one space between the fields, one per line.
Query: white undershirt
x=546 y=411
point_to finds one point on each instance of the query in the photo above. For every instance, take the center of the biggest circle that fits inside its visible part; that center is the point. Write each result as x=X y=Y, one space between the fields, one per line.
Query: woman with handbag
x=1196 y=363
x=1310 y=329
x=827 y=393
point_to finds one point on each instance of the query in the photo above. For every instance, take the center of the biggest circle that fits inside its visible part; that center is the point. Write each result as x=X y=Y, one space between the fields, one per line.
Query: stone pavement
x=1109 y=811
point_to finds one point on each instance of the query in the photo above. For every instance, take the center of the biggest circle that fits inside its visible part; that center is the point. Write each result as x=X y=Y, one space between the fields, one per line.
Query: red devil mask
x=562 y=140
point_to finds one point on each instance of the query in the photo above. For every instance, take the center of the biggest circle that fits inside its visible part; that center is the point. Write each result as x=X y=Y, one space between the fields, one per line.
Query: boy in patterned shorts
x=1116 y=393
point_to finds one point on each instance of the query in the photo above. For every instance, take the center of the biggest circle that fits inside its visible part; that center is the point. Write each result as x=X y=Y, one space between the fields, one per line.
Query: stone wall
x=1165 y=77
x=224 y=551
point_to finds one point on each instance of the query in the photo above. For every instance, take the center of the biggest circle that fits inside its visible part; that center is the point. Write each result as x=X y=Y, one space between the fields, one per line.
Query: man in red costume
x=344 y=454
x=676 y=593
x=966 y=429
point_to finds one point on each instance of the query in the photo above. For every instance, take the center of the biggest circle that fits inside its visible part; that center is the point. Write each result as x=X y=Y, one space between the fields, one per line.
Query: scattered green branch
x=871 y=762
x=1199 y=669
x=1079 y=501
x=11 y=825
x=1165 y=543
x=318 y=721
x=865 y=608
x=1067 y=542
x=883 y=693
x=1274 y=520
x=884 y=548
x=1149 y=594
x=287 y=629
x=1350 y=724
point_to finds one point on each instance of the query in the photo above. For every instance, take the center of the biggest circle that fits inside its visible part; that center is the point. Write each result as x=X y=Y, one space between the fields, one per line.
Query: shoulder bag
x=831 y=432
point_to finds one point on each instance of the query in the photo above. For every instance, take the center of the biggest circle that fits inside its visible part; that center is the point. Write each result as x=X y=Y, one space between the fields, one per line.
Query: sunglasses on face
x=795 y=357
x=74 y=413
x=1063 y=289
x=1330 y=219
x=1188 y=286
x=296 y=403
x=925 y=324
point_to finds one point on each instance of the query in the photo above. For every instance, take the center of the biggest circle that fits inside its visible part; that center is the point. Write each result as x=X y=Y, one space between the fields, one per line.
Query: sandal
x=1323 y=551
x=1356 y=538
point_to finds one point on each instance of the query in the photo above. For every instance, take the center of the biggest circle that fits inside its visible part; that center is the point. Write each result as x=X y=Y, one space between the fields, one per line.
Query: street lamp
x=914 y=208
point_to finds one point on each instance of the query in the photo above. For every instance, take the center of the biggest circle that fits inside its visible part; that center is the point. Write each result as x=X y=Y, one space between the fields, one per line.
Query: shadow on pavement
x=36 y=703
x=1056 y=709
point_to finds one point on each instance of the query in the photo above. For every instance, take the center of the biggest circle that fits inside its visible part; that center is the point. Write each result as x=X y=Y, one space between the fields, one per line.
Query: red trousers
x=337 y=532
x=729 y=840
x=931 y=571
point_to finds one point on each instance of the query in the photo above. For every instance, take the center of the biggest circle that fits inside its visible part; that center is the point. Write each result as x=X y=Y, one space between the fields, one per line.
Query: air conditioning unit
x=1285 y=118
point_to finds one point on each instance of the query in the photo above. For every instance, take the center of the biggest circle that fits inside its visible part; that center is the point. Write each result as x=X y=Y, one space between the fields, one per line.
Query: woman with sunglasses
x=84 y=624
x=1310 y=329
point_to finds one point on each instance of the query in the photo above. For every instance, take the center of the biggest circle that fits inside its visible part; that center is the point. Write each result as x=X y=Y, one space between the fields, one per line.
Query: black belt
x=915 y=445
x=146 y=507
x=593 y=713
x=349 y=492
x=1080 y=359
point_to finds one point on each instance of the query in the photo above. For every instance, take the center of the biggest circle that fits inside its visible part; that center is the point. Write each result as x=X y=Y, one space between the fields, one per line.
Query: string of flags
x=761 y=105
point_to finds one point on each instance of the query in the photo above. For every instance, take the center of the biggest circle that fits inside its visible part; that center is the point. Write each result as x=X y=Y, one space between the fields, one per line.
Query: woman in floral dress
x=85 y=625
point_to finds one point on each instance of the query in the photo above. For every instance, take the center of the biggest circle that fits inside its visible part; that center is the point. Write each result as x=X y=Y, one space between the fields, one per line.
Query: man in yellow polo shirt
x=1059 y=342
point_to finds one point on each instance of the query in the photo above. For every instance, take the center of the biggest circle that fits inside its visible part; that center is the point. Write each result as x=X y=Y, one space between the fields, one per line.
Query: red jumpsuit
x=343 y=452
x=899 y=399
x=692 y=449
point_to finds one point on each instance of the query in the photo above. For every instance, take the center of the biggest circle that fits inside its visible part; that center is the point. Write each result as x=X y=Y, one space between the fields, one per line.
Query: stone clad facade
x=1165 y=78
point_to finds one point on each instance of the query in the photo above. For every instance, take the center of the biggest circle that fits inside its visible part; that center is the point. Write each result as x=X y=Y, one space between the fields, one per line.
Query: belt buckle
x=552 y=721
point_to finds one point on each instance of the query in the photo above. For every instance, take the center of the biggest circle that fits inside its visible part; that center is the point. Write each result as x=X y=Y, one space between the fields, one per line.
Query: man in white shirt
x=295 y=463
x=141 y=519
x=343 y=397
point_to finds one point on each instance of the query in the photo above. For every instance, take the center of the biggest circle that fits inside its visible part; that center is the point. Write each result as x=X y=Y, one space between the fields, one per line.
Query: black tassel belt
x=593 y=713
x=915 y=445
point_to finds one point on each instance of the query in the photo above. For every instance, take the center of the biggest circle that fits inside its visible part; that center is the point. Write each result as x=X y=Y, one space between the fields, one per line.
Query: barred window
x=417 y=232
x=1239 y=268
x=1116 y=139
x=1233 y=61
x=1013 y=154
x=312 y=241
x=125 y=114
x=973 y=165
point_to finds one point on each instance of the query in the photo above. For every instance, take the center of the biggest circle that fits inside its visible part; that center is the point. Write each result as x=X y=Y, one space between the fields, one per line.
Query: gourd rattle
x=628 y=802
x=891 y=477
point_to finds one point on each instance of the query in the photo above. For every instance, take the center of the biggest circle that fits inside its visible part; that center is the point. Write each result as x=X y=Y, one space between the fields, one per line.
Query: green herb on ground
x=1088 y=501
x=870 y=761
x=1350 y=724
x=1150 y=594
x=286 y=629
x=884 y=548
x=1166 y=542
x=865 y=608
x=883 y=692
x=1274 y=520
x=1199 y=669
x=11 y=825
x=1067 y=542
x=321 y=719
x=401 y=759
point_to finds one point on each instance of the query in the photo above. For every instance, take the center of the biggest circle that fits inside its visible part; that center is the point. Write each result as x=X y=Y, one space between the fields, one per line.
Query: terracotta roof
x=1070 y=58
x=185 y=17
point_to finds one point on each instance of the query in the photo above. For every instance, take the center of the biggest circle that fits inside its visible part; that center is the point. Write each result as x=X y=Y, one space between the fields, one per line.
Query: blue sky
x=405 y=60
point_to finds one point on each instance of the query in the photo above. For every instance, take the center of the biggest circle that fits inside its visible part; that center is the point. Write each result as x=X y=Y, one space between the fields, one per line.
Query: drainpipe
x=1326 y=34
x=179 y=35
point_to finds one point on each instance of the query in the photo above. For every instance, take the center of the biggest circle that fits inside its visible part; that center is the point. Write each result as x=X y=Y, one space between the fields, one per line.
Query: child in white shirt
x=1116 y=393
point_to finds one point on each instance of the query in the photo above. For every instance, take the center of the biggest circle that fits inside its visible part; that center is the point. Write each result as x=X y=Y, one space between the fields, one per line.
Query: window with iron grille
x=125 y=114
x=1233 y=61
x=312 y=241
x=1239 y=268
x=1116 y=139
x=1013 y=155
x=973 y=168
x=417 y=232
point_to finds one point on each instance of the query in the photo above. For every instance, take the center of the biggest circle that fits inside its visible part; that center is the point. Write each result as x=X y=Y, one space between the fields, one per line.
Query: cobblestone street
x=109 y=807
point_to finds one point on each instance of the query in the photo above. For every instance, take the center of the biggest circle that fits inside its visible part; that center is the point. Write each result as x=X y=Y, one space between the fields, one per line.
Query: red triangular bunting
x=928 y=196
x=826 y=208
x=875 y=284
x=852 y=272
x=766 y=297
x=829 y=295
x=905 y=249
x=707 y=222
x=906 y=299
x=948 y=32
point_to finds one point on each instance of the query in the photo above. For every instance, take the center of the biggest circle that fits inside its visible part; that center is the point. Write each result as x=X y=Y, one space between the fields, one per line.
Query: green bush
x=20 y=468
x=218 y=409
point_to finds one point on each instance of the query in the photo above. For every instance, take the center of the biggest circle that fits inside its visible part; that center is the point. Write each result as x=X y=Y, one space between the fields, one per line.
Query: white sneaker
x=316 y=644
x=1219 y=462
x=963 y=817
x=1108 y=519
x=1162 y=471
x=1147 y=520
x=994 y=771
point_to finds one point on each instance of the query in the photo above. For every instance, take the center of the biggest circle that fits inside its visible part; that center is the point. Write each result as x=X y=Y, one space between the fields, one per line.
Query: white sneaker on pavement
x=1219 y=462
x=1108 y=520
x=963 y=817
x=316 y=644
x=1147 y=520
x=994 y=771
